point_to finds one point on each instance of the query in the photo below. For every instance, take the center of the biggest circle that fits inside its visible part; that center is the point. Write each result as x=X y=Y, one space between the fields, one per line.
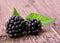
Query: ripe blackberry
x=15 y=27
x=33 y=26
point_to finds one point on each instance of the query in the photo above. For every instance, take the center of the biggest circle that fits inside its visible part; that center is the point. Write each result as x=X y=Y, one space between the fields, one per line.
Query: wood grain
x=50 y=8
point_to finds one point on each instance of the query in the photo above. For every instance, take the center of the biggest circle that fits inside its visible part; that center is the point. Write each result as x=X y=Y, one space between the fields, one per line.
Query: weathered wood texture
x=51 y=8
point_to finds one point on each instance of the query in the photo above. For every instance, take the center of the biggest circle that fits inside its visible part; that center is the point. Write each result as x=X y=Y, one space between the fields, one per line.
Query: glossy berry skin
x=15 y=27
x=33 y=26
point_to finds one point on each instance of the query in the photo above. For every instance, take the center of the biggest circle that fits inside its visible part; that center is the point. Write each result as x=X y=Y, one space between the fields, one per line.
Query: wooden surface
x=50 y=8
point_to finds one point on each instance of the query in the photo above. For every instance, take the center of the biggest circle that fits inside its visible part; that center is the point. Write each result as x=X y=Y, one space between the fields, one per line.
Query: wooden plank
x=46 y=36
x=48 y=8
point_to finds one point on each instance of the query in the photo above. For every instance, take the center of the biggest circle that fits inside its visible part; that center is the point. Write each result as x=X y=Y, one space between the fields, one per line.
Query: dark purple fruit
x=33 y=26
x=15 y=27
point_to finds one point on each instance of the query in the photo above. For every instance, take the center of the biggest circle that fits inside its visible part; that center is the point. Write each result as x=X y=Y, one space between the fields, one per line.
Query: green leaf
x=15 y=12
x=42 y=18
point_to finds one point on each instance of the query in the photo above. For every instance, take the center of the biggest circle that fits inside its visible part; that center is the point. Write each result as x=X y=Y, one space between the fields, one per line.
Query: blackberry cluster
x=33 y=26
x=15 y=26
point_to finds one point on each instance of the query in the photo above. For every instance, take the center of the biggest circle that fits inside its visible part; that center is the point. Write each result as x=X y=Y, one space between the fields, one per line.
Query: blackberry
x=15 y=26
x=33 y=26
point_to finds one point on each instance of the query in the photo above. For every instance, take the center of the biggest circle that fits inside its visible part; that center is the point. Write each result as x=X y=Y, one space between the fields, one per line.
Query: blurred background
x=50 y=8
